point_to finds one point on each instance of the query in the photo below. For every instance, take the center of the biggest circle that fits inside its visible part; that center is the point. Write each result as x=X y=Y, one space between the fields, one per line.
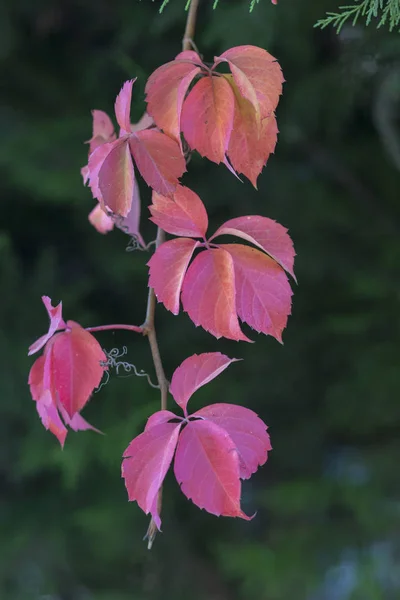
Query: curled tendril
x=112 y=362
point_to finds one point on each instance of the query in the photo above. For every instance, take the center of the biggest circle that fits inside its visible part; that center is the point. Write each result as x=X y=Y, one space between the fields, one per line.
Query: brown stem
x=188 y=36
x=148 y=326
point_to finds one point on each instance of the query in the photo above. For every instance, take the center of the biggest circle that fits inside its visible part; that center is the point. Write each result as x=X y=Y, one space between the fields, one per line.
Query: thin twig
x=135 y=328
x=188 y=36
x=148 y=326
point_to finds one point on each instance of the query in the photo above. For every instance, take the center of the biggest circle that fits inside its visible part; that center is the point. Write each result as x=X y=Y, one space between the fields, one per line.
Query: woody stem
x=135 y=328
x=148 y=326
x=188 y=36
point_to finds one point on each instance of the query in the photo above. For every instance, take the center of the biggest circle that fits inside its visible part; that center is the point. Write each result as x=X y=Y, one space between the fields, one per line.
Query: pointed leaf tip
x=123 y=106
x=207 y=469
x=146 y=462
x=56 y=322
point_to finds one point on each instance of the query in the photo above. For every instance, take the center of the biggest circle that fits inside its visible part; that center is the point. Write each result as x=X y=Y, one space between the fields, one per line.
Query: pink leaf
x=116 y=179
x=251 y=141
x=123 y=106
x=50 y=418
x=76 y=367
x=196 y=371
x=96 y=160
x=144 y=122
x=100 y=220
x=257 y=75
x=207 y=117
x=207 y=468
x=158 y=159
x=103 y=130
x=183 y=214
x=35 y=379
x=77 y=423
x=56 y=322
x=165 y=91
x=130 y=223
x=208 y=294
x=263 y=294
x=265 y=234
x=146 y=462
x=167 y=269
x=159 y=417
x=190 y=56
x=246 y=430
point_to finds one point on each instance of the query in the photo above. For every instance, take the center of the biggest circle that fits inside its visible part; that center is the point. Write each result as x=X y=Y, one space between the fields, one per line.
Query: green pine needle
x=384 y=10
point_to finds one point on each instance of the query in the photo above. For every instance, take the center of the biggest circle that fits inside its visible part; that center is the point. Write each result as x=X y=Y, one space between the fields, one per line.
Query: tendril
x=112 y=362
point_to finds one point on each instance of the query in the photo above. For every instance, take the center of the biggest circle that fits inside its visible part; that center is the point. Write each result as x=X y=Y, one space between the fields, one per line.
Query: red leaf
x=76 y=368
x=123 y=106
x=207 y=468
x=246 y=430
x=35 y=378
x=167 y=269
x=265 y=234
x=56 y=322
x=43 y=391
x=251 y=141
x=263 y=294
x=116 y=179
x=146 y=462
x=103 y=130
x=208 y=294
x=165 y=91
x=158 y=159
x=183 y=214
x=196 y=371
x=207 y=117
x=257 y=75
x=100 y=220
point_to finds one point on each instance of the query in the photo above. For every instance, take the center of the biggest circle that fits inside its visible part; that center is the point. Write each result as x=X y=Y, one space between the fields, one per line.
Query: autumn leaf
x=224 y=282
x=214 y=448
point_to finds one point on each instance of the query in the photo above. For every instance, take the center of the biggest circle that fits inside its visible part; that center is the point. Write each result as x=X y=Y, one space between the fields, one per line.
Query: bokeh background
x=328 y=500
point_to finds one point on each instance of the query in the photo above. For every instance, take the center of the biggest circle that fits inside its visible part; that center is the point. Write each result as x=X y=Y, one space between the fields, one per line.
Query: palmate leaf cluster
x=327 y=501
x=386 y=12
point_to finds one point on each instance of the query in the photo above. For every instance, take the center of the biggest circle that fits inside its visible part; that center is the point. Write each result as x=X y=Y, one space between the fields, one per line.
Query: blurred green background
x=328 y=500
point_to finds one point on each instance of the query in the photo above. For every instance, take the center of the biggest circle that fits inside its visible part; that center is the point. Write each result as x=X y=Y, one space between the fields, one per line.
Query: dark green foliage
x=328 y=498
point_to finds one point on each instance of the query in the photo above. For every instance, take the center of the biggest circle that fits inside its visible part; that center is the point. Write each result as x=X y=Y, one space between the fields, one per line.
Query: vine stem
x=188 y=36
x=135 y=328
x=148 y=327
